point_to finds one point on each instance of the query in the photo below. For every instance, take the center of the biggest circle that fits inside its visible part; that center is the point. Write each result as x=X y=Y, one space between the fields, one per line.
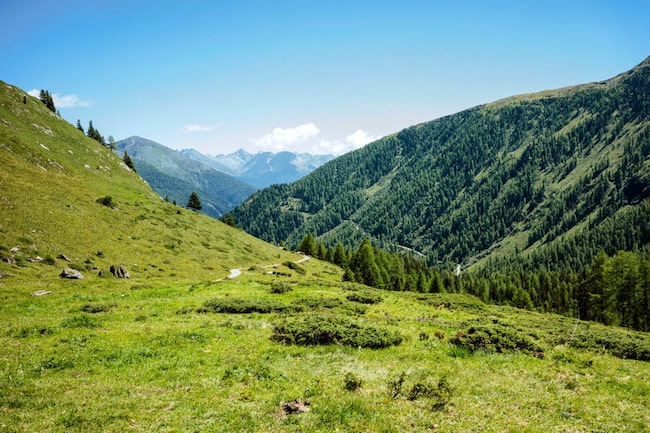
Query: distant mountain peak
x=263 y=168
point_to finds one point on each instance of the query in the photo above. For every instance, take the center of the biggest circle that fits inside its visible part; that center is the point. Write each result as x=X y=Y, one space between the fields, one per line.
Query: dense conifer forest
x=528 y=196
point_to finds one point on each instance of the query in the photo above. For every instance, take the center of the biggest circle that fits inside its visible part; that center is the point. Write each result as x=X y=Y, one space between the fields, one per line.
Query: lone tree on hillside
x=127 y=160
x=47 y=99
x=194 y=202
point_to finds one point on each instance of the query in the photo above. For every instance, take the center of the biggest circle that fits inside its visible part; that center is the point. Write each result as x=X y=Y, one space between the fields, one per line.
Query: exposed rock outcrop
x=72 y=274
x=120 y=271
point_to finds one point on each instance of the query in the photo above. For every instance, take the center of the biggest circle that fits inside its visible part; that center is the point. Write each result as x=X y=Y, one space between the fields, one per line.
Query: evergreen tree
x=111 y=143
x=47 y=99
x=194 y=202
x=308 y=245
x=228 y=219
x=128 y=161
x=79 y=127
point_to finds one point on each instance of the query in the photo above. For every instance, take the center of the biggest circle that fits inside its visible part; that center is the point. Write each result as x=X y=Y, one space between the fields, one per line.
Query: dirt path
x=234 y=273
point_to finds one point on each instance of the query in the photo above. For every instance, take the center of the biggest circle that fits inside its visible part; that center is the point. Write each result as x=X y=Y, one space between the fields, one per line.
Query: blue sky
x=314 y=76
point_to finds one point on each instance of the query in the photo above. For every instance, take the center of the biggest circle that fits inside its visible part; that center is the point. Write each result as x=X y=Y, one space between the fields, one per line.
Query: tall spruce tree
x=47 y=99
x=194 y=202
x=128 y=161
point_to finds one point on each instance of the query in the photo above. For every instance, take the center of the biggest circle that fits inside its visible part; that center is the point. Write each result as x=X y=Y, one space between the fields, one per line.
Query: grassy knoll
x=109 y=355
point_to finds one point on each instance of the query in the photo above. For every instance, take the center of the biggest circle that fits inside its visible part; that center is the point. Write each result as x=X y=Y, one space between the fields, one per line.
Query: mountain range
x=263 y=168
x=175 y=176
x=543 y=180
x=214 y=329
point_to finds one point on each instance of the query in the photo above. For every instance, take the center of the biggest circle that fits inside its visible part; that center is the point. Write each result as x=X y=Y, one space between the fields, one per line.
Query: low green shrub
x=352 y=381
x=324 y=330
x=496 y=338
x=280 y=287
x=323 y=304
x=107 y=201
x=364 y=297
x=241 y=306
x=80 y=321
x=30 y=331
x=439 y=393
x=296 y=267
x=396 y=384
x=98 y=308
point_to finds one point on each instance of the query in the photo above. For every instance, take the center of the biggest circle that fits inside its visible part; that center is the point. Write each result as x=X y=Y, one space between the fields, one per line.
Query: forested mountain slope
x=560 y=174
x=174 y=176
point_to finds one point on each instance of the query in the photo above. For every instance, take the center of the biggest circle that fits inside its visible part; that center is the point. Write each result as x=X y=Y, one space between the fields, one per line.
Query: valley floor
x=146 y=356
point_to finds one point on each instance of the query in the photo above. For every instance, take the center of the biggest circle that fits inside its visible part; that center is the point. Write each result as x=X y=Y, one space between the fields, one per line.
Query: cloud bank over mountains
x=308 y=138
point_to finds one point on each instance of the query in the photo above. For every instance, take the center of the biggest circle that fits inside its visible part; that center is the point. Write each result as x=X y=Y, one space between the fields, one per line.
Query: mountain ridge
x=175 y=176
x=502 y=178
x=263 y=168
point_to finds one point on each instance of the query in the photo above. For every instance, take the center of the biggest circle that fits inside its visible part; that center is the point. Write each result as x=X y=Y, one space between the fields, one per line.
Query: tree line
x=614 y=290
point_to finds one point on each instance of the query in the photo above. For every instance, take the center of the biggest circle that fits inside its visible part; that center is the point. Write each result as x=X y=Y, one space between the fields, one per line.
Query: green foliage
x=98 y=307
x=539 y=174
x=107 y=201
x=128 y=161
x=324 y=330
x=438 y=393
x=280 y=287
x=94 y=134
x=496 y=338
x=364 y=297
x=295 y=266
x=241 y=306
x=194 y=202
x=352 y=382
x=46 y=98
x=80 y=321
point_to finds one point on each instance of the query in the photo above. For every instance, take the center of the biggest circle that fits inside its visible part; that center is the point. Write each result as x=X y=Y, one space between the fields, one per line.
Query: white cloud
x=63 y=101
x=198 y=128
x=359 y=138
x=286 y=138
x=307 y=138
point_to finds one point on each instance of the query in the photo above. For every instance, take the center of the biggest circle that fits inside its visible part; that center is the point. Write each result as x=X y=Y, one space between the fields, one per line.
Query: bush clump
x=497 y=339
x=352 y=381
x=241 y=306
x=328 y=304
x=80 y=321
x=324 y=330
x=296 y=267
x=107 y=201
x=98 y=308
x=280 y=287
x=364 y=298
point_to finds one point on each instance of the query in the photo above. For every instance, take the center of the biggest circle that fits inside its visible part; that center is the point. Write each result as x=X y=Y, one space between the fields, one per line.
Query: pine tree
x=47 y=99
x=127 y=160
x=194 y=202
x=79 y=127
x=111 y=143
x=308 y=245
x=228 y=219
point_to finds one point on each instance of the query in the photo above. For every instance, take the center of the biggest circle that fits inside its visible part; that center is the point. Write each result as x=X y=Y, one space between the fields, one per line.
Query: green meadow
x=180 y=347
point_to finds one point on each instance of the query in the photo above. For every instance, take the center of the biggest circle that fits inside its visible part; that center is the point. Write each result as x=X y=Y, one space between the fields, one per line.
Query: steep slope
x=264 y=168
x=175 y=176
x=51 y=179
x=525 y=174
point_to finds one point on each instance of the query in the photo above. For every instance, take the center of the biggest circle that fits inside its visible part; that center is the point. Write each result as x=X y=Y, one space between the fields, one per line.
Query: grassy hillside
x=524 y=175
x=51 y=177
x=181 y=347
